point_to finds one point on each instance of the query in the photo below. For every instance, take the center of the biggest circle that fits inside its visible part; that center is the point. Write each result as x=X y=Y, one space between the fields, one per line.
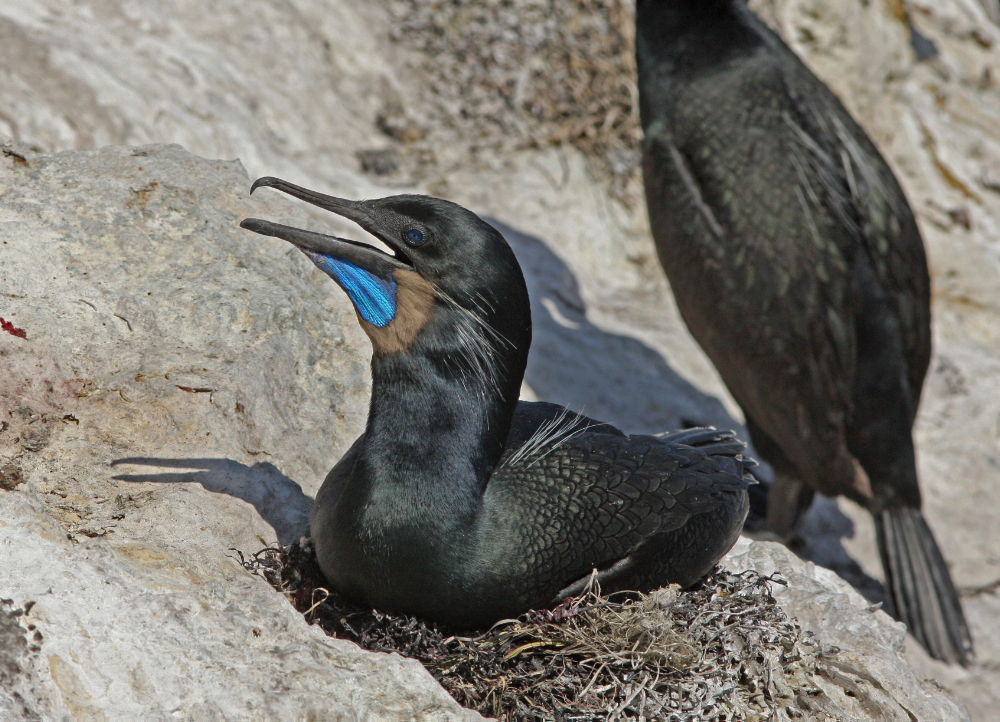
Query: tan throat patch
x=415 y=298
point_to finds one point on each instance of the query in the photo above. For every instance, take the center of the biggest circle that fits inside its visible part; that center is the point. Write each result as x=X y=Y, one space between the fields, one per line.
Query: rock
x=298 y=90
x=863 y=667
x=20 y=698
x=177 y=376
x=286 y=88
x=157 y=329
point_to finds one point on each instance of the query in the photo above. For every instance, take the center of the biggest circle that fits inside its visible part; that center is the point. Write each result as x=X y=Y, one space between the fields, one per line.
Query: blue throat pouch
x=373 y=297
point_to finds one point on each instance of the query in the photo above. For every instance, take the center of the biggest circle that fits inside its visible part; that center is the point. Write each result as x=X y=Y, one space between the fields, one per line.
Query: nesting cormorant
x=797 y=265
x=459 y=503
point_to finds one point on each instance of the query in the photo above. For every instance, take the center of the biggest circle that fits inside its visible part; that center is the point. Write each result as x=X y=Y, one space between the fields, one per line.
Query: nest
x=504 y=74
x=721 y=651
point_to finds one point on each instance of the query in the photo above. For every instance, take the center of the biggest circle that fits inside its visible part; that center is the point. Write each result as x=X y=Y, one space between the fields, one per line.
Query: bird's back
x=798 y=266
x=764 y=197
x=579 y=495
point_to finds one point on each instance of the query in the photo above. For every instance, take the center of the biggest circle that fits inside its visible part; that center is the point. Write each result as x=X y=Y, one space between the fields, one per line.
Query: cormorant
x=459 y=503
x=797 y=265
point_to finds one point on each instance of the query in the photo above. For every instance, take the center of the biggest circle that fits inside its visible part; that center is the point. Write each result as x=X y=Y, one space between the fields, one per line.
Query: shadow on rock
x=819 y=539
x=611 y=377
x=278 y=499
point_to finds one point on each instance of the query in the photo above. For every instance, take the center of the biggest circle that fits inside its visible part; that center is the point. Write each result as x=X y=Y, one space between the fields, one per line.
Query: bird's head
x=449 y=272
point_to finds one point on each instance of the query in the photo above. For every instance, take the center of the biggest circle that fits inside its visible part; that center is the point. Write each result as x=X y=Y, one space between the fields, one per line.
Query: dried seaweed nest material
x=722 y=651
x=525 y=73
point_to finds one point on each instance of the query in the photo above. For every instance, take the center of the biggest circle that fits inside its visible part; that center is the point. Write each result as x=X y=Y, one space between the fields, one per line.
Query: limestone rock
x=297 y=89
x=181 y=387
x=292 y=88
x=863 y=668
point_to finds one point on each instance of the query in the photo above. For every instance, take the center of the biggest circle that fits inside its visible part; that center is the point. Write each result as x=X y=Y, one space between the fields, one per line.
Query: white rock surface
x=144 y=303
x=170 y=358
x=282 y=86
x=293 y=89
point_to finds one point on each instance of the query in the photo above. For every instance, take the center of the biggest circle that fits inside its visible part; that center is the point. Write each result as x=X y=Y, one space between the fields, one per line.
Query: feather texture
x=373 y=297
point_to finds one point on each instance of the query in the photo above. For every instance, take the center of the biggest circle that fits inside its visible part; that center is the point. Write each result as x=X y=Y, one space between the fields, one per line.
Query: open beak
x=362 y=255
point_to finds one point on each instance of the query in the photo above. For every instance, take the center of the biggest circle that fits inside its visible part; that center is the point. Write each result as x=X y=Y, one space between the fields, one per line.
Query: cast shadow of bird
x=608 y=376
x=278 y=499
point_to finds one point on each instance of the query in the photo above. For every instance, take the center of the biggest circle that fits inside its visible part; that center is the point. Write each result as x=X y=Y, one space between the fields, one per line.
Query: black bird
x=797 y=265
x=459 y=503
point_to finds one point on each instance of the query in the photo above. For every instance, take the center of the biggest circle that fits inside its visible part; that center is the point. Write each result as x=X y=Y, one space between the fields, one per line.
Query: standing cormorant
x=797 y=265
x=459 y=503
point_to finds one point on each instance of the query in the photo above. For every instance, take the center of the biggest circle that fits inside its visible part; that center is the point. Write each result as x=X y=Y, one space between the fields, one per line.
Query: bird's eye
x=414 y=237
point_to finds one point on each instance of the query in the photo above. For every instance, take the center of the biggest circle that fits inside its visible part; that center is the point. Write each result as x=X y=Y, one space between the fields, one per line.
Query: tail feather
x=920 y=586
x=713 y=442
x=697 y=436
x=709 y=440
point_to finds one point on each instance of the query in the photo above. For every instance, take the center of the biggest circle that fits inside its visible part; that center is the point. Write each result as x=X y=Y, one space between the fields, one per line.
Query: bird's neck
x=677 y=40
x=674 y=16
x=688 y=31
x=440 y=412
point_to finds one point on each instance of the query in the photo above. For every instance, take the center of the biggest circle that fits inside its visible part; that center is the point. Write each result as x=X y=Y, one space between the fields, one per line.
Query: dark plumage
x=798 y=266
x=460 y=503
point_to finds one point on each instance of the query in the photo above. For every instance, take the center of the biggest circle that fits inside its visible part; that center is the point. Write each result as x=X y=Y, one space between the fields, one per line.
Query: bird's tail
x=719 y=444
x=920 y=586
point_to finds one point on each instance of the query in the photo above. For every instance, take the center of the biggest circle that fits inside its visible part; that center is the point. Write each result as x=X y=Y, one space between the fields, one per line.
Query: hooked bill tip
x=341 y=206
x=265 y=181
